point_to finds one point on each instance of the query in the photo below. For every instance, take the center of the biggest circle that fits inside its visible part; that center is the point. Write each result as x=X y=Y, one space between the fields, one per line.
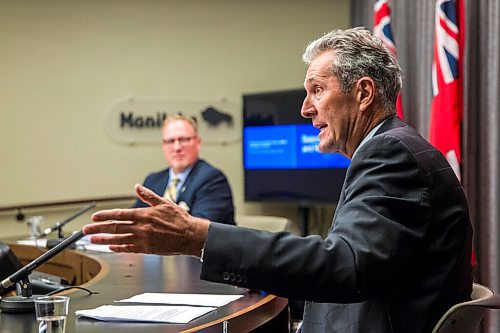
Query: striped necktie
x=171 y=191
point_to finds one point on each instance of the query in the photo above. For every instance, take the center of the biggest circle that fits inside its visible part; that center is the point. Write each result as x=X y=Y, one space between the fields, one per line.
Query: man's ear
x=365 y=92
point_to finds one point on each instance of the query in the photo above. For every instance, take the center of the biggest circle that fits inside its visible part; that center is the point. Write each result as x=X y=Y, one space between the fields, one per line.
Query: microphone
x=24 y=303
x=59 y=225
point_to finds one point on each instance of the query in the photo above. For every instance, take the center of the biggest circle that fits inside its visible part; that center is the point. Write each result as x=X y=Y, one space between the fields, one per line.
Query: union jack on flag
x=447 y=110
x=446 y=44
x=447 y=107
x=383 y=30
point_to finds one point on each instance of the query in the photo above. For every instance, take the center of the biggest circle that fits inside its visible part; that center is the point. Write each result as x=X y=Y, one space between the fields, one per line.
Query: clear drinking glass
x=51 y=313
x=34 y=226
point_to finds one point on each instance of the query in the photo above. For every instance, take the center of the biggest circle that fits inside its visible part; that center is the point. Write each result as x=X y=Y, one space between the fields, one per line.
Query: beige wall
x=63 y=63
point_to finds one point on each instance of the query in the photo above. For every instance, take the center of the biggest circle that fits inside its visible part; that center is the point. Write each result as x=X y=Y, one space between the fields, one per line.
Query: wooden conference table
x=116 y=276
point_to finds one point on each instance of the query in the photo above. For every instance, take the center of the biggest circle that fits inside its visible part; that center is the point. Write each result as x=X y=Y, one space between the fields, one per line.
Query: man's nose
x=308 y=109
x=177 y=145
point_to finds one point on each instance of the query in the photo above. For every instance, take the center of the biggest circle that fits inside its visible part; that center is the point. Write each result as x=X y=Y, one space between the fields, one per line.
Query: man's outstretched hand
x=163 y=228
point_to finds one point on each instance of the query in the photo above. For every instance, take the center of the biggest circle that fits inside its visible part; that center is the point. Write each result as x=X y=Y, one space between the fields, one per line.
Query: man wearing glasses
x=190 y=182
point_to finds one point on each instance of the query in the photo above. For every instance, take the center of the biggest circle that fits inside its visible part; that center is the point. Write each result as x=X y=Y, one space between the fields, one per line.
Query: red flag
x=447 y=75
x=447 y=104
x=383 y=30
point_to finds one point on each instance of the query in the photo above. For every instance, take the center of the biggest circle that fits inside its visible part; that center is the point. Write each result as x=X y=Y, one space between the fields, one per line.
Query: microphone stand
x=24 y=303
x=59 y=225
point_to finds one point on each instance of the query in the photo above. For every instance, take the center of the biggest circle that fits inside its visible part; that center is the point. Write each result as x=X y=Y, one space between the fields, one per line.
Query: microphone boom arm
x=28 y=268
x=59 y=225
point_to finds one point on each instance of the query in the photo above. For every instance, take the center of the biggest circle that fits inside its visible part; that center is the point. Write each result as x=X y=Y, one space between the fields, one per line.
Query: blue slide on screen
x=287 y=147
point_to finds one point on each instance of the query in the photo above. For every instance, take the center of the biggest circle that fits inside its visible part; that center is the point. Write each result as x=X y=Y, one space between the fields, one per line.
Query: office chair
x=269 y=223
x=465 y=317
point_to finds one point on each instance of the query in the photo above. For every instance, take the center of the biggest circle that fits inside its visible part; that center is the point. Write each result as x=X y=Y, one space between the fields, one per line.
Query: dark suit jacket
x=395 y=259
x=206 y=192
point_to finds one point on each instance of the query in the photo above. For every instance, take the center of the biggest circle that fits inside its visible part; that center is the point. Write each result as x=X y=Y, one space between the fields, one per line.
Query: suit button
x=238 y=278
x=225 y=276
x=244 y=279
x=232 y=276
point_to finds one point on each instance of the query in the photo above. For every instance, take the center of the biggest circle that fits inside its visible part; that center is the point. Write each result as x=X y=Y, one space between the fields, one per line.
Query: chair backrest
x=269 y=223
x=465 y=317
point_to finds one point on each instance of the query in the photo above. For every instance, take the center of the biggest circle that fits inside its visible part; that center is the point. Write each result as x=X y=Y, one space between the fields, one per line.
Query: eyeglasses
x=183 y=141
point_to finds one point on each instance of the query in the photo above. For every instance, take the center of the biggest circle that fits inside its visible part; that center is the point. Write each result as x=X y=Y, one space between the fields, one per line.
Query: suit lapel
x=161 y=184
x=188 y=181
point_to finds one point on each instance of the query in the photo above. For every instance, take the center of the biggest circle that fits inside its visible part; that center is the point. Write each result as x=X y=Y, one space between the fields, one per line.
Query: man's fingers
x=148 y=196
x=109 y=227
x=124 y=239
x=130 y=214
x=120 y=243
x=124 y=248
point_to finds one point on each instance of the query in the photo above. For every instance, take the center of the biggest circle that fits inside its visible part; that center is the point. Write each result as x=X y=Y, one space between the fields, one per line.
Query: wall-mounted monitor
x=281 y=159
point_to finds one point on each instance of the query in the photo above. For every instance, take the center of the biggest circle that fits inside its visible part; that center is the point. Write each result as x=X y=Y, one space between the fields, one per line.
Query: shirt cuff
x=202 y=252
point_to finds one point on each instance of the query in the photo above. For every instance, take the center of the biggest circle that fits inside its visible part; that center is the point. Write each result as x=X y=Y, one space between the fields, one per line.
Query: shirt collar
x=181 y=176
x=369 y=136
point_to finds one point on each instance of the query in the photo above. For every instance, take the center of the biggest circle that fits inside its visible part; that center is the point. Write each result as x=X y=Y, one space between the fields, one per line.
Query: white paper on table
x=85 y=244
x=148 y=313
x=185 y=299
x=93 y=247
x=42 y=242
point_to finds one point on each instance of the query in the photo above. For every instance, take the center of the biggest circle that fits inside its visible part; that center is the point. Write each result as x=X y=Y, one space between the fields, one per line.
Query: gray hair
x=358 y=54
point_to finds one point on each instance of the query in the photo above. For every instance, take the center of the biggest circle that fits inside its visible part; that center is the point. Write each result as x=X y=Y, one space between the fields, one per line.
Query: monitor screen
x=280 y=152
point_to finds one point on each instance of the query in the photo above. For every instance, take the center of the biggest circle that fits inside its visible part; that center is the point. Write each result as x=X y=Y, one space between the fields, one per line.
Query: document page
x=147 y=313
x=185 y=299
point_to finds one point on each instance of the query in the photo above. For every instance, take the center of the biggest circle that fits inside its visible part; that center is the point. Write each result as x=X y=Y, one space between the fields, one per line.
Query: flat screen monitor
x=281 y=159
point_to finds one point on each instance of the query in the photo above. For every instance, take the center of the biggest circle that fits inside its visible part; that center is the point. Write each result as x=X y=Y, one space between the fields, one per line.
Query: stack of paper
x=184 y=299
x=200 y=304
x=148 y=313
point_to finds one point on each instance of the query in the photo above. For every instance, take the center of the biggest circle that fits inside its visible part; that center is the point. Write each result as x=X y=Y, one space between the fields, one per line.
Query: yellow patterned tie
x=171 y=191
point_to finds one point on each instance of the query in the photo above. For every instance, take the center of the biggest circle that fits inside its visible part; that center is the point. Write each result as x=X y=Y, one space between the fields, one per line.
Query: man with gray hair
x=397 y=255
